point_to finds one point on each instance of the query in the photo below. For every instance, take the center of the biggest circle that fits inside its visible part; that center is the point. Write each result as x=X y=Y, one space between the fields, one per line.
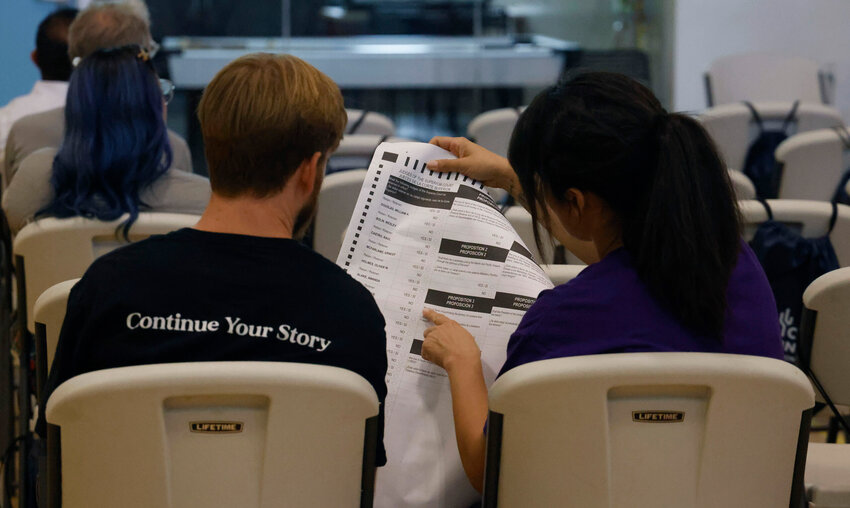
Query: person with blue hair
x=115 y=155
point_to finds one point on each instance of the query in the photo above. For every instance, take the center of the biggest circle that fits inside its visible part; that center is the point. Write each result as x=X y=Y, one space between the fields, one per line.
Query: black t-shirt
x=193 y=296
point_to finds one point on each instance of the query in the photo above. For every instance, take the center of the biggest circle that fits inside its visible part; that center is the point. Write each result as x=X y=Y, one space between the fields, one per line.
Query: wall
x=19 y=21
x=706 y=30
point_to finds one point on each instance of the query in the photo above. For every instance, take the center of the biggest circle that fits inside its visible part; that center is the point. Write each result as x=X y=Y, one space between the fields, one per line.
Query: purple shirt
x=607 y=309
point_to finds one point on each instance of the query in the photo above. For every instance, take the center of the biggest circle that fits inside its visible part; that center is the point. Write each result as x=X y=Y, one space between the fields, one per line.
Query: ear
x=34 y=57
x=577 y=201
x=307 y=173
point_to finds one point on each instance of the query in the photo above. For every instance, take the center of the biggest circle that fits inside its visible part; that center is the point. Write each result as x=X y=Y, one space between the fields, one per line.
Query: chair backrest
x=361 y=121
x=48 y=314
x=810 y=217
x=825 y=328
x=732 y=128
x=337 y=199
x=248 y=434
x=561 y=274
x=763 y=77
x=743 y=186
x=52 y=250
x=492 y=129
x=356 y=150
x=648 y=429
x=812 y=165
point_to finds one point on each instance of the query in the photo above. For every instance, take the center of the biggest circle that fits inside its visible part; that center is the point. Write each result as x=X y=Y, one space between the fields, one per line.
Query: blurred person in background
x=107 y=25
x=51 y=57
x=115 y=156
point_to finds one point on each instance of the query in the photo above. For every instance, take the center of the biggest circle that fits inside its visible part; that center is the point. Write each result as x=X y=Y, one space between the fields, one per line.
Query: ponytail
x=684 y=234
x=660 y=173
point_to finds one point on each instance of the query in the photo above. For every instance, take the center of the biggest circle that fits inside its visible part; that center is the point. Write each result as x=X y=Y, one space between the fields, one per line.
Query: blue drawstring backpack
x=760 y=164
x=791 y=262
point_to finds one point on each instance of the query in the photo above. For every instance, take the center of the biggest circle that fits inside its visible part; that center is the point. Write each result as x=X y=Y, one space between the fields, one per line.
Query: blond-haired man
x=237 y=286
x=98 y=26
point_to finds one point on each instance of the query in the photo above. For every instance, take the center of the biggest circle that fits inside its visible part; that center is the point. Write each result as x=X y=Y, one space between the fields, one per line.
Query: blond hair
x=261 y=116
x=108 y=25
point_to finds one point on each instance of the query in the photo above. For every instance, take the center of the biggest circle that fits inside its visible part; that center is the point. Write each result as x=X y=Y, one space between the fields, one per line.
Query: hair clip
x=76 y=61
x=143 y=55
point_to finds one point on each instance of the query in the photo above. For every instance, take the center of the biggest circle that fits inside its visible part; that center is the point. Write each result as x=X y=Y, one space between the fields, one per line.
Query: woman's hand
x=476 y=162
x=451 y=347
x=448 y=344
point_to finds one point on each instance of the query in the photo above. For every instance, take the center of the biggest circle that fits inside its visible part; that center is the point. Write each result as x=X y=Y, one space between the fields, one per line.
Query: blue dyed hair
x=116 y=142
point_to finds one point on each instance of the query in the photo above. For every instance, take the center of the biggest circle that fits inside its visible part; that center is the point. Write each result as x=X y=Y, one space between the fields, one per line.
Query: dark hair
x=51 y=45
x=116 y=142
x=659 y=172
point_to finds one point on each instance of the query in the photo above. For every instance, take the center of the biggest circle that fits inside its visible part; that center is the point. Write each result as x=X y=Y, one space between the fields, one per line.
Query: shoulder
x=52 y=119
x=129 y=260
x=339 y=289
x=178 y=192
x=174 y=178
x=38 y=162
x=32 y=132
x=30 y=190
x=748 y=270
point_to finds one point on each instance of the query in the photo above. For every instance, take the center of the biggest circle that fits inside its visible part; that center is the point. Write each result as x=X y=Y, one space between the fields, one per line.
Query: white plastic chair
x=492 y=129
x=356 y=151
x=216 y=434
x=731 y=126
x=825 y=329
x=561 y=274
x=337 y=199
x=812 y=217
x=742 y=185
x=361 y=121
x=52 y=250
x=49 y=314
x=648 y=430
x=813 y=163
x=763 y=77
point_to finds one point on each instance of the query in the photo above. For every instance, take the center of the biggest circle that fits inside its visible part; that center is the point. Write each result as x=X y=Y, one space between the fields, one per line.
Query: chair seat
x=828 y=475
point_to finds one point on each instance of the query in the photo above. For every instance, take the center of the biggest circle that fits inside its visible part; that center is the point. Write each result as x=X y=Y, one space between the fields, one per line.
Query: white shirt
x=44 y=95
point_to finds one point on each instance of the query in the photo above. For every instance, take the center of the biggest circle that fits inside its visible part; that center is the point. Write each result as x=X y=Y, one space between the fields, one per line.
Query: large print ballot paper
x=423 y=239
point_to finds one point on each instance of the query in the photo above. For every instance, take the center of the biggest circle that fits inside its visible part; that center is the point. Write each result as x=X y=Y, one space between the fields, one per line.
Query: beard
x=307 y=213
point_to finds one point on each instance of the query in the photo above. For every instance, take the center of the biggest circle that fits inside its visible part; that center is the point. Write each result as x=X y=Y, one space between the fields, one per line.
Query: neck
x=267 y=217
x=607 y=240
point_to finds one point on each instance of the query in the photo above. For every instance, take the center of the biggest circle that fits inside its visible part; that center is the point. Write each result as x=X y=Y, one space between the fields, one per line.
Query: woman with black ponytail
x=641 y=195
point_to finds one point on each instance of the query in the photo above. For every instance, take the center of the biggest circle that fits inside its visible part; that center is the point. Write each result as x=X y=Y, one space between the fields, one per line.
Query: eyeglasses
x=167 y=88
x=153 y=48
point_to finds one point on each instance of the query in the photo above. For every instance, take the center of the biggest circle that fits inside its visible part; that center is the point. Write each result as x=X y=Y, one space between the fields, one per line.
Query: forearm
x=469 y=405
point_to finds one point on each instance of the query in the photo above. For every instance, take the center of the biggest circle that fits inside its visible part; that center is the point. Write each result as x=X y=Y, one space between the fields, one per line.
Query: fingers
x=447 y=165
x=445 y=142
x=434 y=317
